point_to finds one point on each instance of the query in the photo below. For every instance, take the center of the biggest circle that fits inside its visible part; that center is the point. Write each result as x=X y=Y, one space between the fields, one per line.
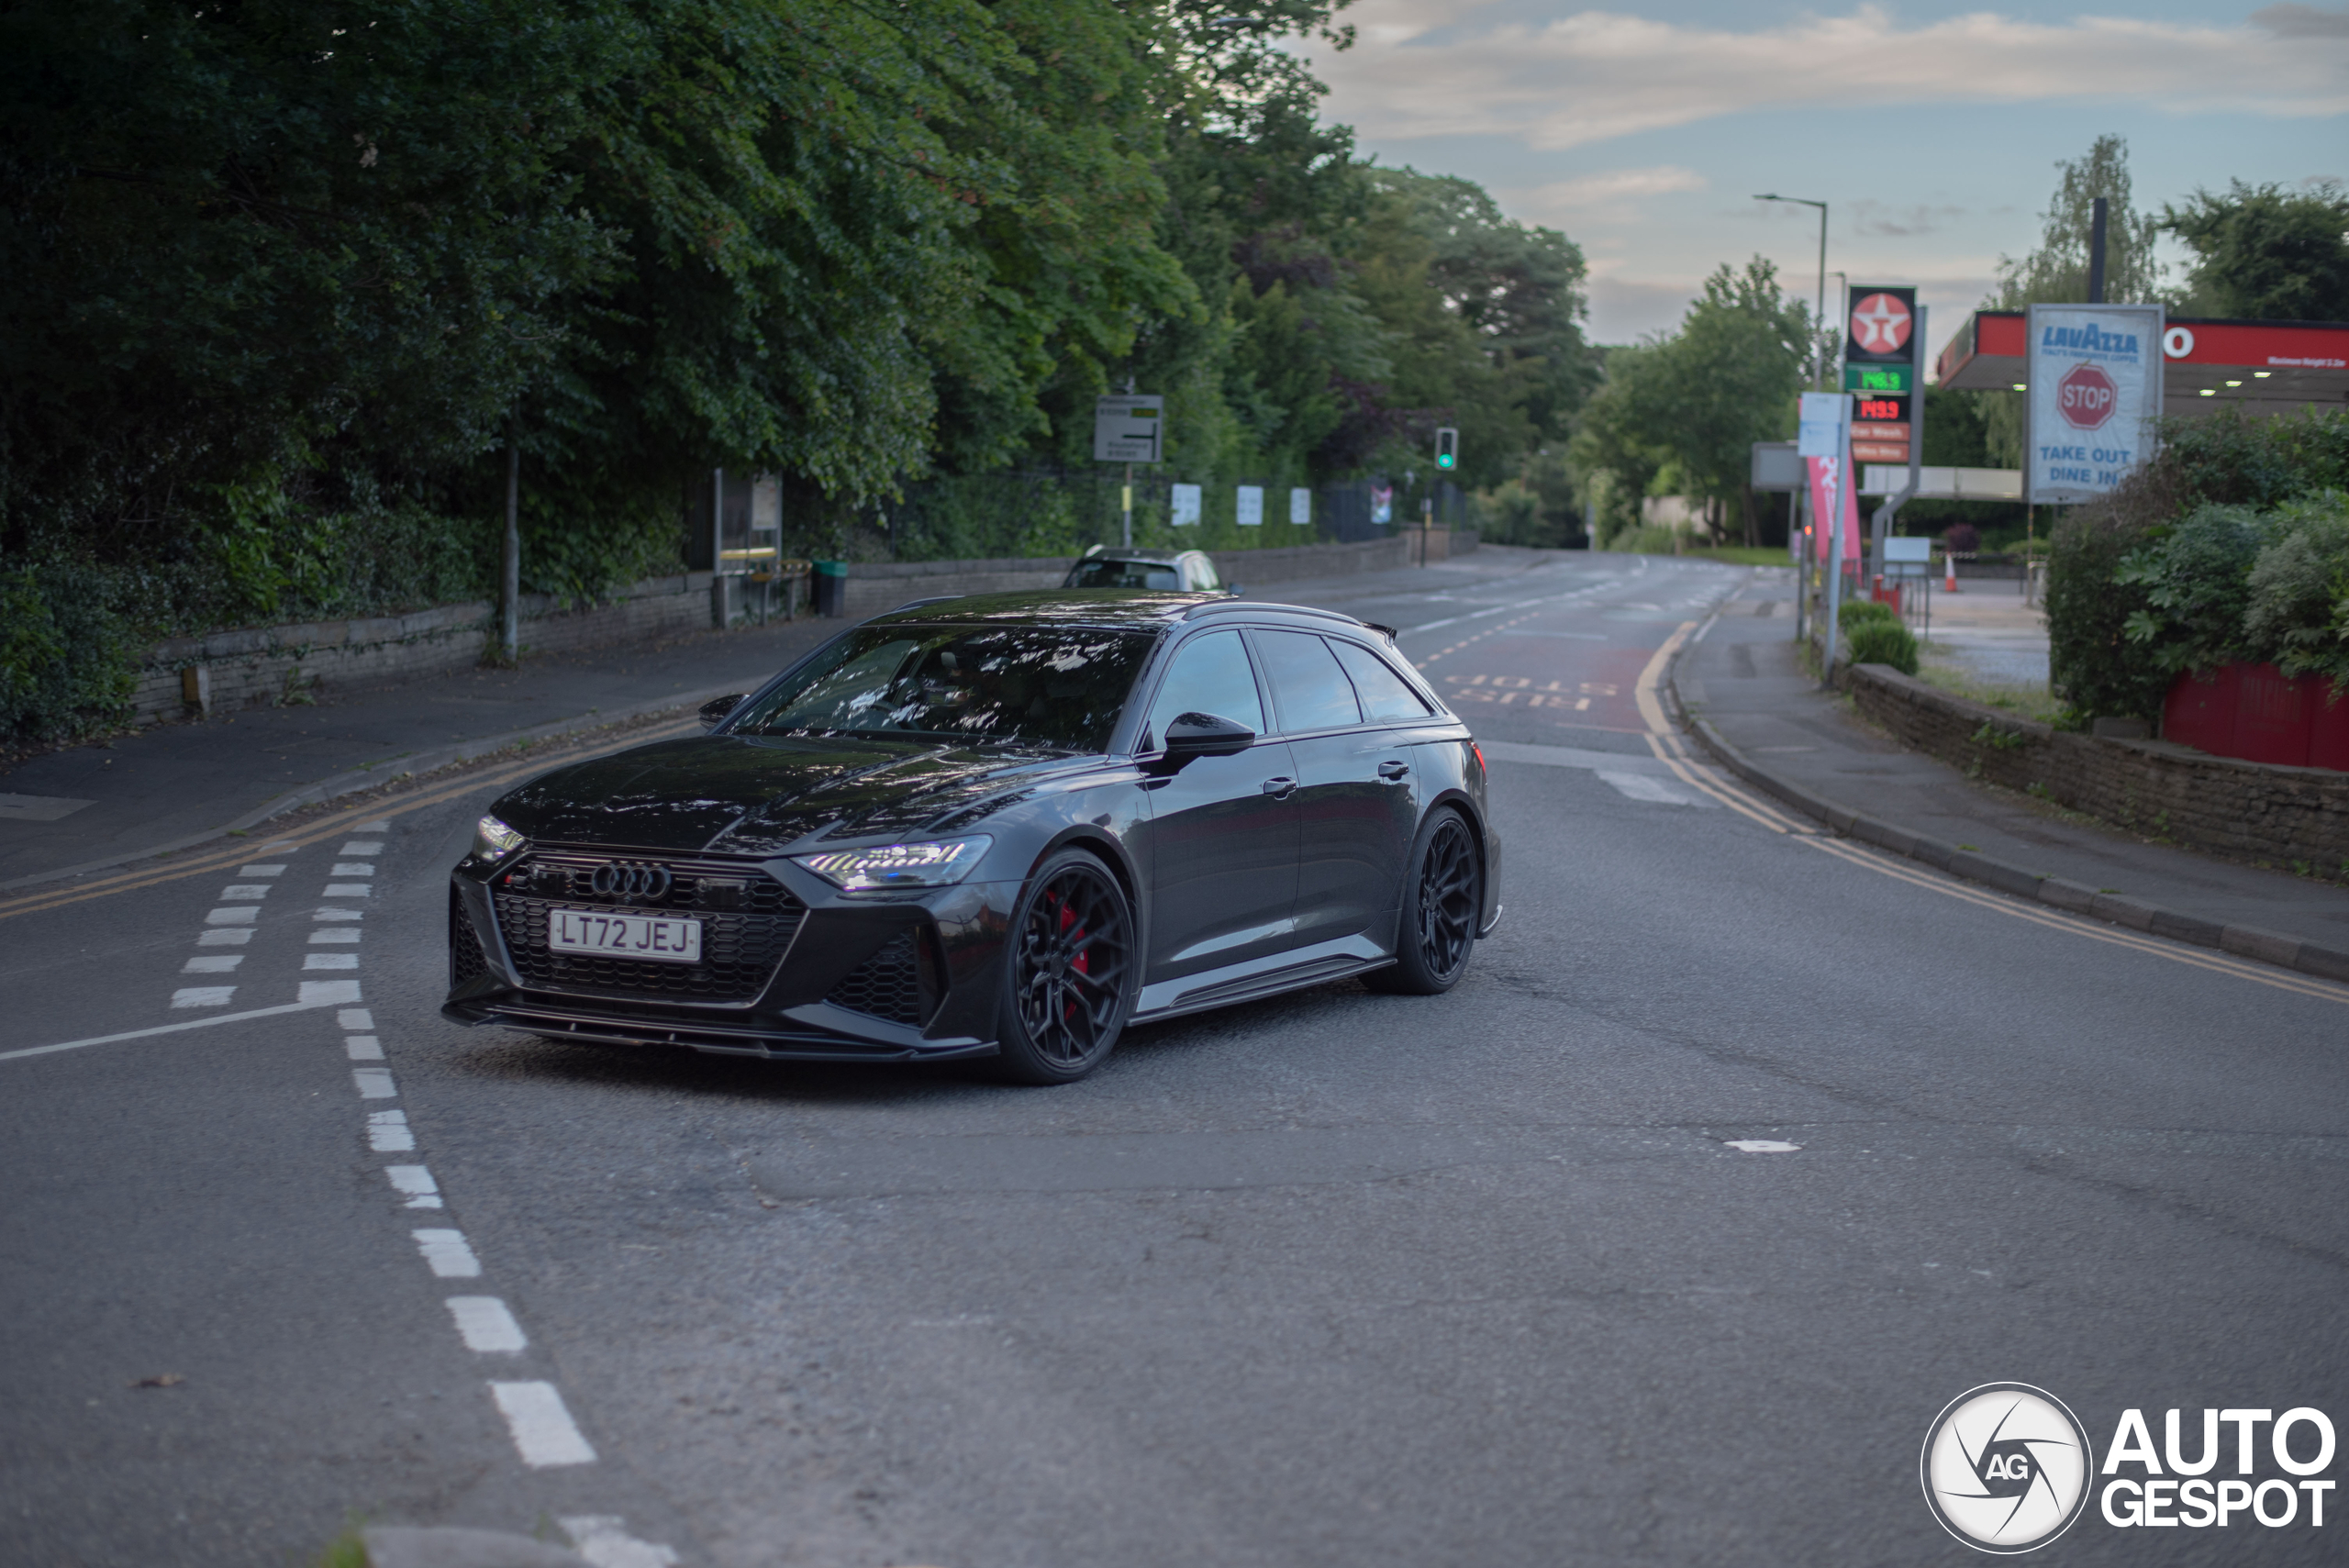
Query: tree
x=2262 y=252
x=2058 y=272
x=1519 y=289
x=1732 y=375
x=1693 y=403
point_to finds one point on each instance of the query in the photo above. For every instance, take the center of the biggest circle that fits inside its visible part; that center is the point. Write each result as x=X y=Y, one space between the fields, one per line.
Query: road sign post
x=1129 y=427
x=1825 y=433
x=2094 y=380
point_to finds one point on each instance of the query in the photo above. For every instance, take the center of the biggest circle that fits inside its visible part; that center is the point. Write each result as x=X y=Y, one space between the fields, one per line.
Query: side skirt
x=1259 y=977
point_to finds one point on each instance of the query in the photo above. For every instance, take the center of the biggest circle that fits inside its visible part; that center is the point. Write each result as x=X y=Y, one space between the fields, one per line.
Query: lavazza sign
x=2095 y=380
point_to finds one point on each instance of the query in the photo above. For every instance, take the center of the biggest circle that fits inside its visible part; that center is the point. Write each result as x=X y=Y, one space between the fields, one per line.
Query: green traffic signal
x=1447 y=448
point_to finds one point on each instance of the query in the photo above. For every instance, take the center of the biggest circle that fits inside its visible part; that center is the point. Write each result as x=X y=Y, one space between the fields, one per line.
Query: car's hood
x=756 y=796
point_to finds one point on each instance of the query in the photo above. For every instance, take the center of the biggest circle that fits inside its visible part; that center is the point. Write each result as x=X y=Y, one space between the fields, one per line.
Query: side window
x=1387 y=697
x=1210 y=674
x=1309 y=689
x=1203 y=575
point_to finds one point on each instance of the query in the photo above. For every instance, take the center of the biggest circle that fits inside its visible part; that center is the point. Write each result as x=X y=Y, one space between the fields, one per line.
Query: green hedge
x=2157 y=576
x=1883 y=642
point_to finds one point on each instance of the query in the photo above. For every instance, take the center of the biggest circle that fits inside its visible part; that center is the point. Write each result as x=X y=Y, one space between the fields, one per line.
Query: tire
x=1444 y=895
x=1070 y=971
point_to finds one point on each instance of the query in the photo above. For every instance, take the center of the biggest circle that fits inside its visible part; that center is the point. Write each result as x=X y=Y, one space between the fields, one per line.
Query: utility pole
x=1820 y=319
x=510 y=579
x=2096 y=250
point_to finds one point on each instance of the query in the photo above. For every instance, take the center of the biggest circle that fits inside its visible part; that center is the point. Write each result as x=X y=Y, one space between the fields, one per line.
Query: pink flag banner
x=1822 y=469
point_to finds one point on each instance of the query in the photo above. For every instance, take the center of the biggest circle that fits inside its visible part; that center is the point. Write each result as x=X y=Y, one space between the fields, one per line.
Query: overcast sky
x=1930 y=129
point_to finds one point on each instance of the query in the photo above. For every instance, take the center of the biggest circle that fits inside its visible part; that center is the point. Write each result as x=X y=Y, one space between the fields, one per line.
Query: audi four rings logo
x=623 y=879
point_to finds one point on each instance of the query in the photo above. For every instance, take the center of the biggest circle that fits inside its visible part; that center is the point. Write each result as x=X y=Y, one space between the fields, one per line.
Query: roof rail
x=1234 y=606
x=933 y=599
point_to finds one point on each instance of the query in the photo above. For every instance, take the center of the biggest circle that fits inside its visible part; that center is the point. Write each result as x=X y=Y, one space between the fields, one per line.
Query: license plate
x=625 y=936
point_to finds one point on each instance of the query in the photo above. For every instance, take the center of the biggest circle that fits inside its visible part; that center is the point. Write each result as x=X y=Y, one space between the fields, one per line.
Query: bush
x=2196 y=579
x=1884 y=641
x=1963 y=539
x=2095 y=663
x=2297 y=616
x=1853 y=613
x=67 y=658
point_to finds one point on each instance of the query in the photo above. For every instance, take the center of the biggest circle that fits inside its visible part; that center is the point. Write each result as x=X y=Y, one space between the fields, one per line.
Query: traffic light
x=1447 y=448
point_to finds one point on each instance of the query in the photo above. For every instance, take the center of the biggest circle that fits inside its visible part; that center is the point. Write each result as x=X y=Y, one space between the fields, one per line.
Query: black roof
x=1139 y=609
x=1135 y=607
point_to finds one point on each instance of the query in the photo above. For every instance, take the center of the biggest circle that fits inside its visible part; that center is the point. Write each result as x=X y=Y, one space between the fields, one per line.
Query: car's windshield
x=1061 y=688
x=1126 y=574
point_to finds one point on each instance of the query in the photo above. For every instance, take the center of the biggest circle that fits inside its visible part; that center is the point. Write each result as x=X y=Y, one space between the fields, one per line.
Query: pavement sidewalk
x=1750 y=701
x=169 y=785
x=172 y=785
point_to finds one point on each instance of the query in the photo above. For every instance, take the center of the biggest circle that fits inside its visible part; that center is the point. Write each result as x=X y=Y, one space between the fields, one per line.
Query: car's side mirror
x=1234 y=589
x=714 y=711
x=1190 y=735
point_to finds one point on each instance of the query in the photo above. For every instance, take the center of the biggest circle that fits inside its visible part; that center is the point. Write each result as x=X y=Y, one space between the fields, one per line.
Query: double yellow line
x=1668 y=745
x=331 y=825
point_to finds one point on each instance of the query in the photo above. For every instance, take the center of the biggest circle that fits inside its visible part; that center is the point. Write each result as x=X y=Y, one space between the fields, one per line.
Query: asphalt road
x=1338 y=1279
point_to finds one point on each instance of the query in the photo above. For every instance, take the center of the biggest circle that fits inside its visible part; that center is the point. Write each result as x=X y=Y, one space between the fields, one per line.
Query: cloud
x=1612 y=196
x=1881 y=219
x=2303 y=21
x=1595 y=75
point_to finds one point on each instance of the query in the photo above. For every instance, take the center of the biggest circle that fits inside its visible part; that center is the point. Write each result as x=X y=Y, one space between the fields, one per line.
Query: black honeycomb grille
x=747 y=917
x=886 y=986
x=466 y=963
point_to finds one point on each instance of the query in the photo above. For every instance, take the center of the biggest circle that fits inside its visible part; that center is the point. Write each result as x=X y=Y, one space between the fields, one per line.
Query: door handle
x=1280 y=789
x=1390 y=771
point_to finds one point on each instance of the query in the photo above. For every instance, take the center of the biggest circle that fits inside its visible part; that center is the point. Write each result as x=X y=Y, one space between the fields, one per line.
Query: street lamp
x=1820 y=322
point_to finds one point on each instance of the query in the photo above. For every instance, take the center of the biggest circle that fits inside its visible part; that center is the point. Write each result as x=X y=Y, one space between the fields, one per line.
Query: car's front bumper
x=894 y=978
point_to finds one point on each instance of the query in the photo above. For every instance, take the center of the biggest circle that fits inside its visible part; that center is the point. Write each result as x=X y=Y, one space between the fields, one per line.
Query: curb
x=2244 y=941
x=358 y=779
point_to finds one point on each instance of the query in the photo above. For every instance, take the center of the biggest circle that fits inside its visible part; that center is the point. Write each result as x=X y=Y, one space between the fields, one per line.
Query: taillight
x=1479 y=751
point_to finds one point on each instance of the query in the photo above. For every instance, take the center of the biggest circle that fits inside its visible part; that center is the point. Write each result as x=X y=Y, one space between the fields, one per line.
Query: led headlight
x=493 y=839
x=934 y=864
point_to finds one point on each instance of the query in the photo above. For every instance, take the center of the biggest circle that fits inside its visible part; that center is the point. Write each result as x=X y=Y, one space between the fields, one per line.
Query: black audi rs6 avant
x=999 y=826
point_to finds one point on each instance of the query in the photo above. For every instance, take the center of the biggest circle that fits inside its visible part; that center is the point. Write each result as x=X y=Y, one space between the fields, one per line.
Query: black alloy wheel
x=1442 y=895
x=1069 y=973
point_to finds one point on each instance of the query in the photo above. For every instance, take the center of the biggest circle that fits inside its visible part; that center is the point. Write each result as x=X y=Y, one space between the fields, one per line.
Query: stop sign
x=2085 y=396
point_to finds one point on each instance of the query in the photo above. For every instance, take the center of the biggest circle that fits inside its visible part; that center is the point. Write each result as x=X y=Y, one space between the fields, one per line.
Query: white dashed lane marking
x=261 y=870
x=353 y=868
x=203 y=995
x=447 y=1253
x=342 y=890
x=225 y=935
x=212 y=964
x=328 y=992
x=327 y=961
x=335 y=934
x=375 y=1083
x=237 y=916
x=362 y=1048
x=543 y=1429
x=388 y=1133
x=485 y=1326
x=417 y=1182
x=247 y=893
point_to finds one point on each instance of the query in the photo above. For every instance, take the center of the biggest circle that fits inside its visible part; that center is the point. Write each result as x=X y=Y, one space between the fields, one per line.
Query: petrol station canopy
x=2256 y=367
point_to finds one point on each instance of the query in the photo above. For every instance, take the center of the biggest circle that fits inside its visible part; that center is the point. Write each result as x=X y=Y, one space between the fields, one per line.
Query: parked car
x=1187 y=571
x=999 y=826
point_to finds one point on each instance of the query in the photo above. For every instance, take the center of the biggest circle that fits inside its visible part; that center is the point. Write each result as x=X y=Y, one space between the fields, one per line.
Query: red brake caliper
x=1068 y=920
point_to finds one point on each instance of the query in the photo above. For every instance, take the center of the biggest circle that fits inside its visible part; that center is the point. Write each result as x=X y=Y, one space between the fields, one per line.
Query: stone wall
x=229 y=669
x=876 y=587
x=267 y=664
x=2255 y=809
